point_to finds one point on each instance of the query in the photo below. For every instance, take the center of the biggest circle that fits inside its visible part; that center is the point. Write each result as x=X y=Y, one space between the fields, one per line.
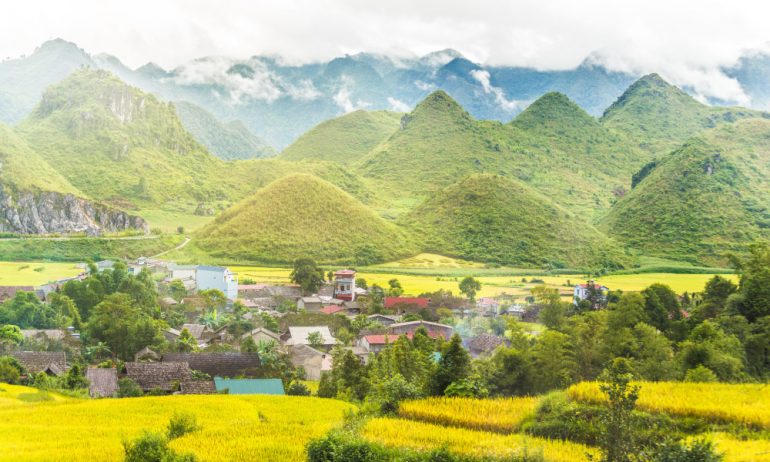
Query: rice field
x=496 y=415
x=233 y=428
x=747 y=404
x=736 y=450
x=409 y=434
x=14 y=273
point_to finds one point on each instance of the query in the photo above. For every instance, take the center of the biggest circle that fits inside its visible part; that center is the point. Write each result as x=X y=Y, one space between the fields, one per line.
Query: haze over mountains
x=278 y=102
x=658 y=174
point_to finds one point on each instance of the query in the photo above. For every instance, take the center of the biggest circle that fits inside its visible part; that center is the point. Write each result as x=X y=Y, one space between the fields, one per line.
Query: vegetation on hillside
x=494 y=219
x=302 y=215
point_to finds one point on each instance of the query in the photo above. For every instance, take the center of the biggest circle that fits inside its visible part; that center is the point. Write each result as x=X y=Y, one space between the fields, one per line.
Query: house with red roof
x=406 y=302
x=434 y=329
x=582 y=291
x=375 y=343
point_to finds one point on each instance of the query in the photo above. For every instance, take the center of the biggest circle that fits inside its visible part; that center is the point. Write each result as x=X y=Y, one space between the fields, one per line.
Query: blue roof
x=211 y=268
x=250 y=386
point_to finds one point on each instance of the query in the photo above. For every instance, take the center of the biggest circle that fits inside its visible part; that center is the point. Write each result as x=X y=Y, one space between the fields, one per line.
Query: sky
x=686 y=41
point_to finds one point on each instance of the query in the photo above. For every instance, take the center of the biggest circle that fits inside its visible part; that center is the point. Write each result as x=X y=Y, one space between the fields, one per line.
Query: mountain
x=706 y=199
x=553 y=146
x=36 y=199
x=660 y=116
x=344 y=139
x=23 y=80
x=227 y=141
x=301 y=216
x=494 y=219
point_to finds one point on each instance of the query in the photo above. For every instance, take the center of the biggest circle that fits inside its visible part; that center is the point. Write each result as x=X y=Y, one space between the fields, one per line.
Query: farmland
x=35 y=273
x=232 y=427
x=500 y=415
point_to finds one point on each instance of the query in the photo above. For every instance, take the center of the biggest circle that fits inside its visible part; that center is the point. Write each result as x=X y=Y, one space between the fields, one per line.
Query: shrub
x=389 y=393
x=10 y=370
x=701 y=374
x=153 y=447
x=180 y=425
x=298 y=389
x=127 y=388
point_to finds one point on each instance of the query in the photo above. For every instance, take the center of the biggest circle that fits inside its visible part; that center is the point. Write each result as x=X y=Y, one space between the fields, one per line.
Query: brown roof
x=10 y=291
x=42 y=361
x=146 y=354
x=218 y=364
x=158 y=375
x=199 y=387
x=103 y=383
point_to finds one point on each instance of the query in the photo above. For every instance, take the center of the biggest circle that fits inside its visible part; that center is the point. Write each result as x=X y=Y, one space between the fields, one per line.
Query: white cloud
x=482 y=77
x=424 y=86
x=398 y=105
x=344 y=100
x=688 y=41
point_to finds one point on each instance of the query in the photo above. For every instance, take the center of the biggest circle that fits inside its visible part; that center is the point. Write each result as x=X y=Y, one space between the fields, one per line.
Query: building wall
x=217 y=279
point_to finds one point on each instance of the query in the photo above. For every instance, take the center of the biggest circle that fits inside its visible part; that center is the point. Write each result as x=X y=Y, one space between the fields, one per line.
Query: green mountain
x=301 y=215
x=659 y=116
x=494 y=219
x=344 y=139
x=707 y=198
x=553 y=146
x=231 y=140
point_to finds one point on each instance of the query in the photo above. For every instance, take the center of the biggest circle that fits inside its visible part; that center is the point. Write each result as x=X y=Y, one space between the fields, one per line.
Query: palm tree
x=98 y=351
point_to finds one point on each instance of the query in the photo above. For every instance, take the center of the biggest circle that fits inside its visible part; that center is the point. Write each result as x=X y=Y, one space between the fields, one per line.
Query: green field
x=35 y=273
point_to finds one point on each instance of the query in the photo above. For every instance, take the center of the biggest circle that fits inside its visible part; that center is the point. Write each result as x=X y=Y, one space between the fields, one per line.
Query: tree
x=701 y=374
x=186 y=343
x=307 y=275
x=755 y=282
x=213 y=298
x=10 y=370
x=127 y=388
x=248 y=345
x=553 y=359
x=662 y=307
x=97 y=351
x=470 y=286
x=75 y=378
x=394 y=288
x=617 y=439
x=67 y=309
x=117 y=322
x=368 y=254
x=177 y=290
x=553 y=313
x=298 y=389
x=315 y=339
x=10 y=336
x=453 y=366
x=27 y=311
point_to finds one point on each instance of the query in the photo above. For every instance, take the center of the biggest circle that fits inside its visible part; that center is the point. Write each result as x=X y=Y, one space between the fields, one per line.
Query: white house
x=581 y=291
x=183 y=272
x=219 y=278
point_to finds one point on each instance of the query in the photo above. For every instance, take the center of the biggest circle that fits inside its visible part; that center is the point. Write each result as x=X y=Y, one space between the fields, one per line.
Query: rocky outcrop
x=50 y=212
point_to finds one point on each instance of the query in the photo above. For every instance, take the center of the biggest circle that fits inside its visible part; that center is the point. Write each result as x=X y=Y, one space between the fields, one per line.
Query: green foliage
x=27 y=311
x=180 y=425
x=700 y=374
x=469 y=286
x=119 y=323
x=127 y=388
x=153 y=447
x=298 y=389
x=301 y=215
x=453 y=366
x=10 y=336
x=307 y=275
x=78 y=249
x=495 y=219
x=10 y=370
x=618 y=441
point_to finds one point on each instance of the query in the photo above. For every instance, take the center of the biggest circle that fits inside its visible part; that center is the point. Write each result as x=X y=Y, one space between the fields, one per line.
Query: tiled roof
x=299 y=335
x=383 y=339
x=38 y=361
x=393 y=301
x=158 y=375
x=218 y=364
x=331 y=309
x=198 y=387
x=103 y=383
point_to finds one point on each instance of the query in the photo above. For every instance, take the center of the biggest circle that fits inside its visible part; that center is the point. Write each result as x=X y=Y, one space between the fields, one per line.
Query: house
x=433 y=328
x=8 y=292
x=406 y=302
x=198 y=387
x=483 y=344
x=487 y=305
x=165 y=376
x=219 y=278
x=314 y=362
x=218 y=364
x=104 y=265
x=345 y=285
x=382 y=319
x=309 y=303
x=203 y=334
x=50 y=362
x=171 y=334
x=298 y=335
x=517 y=311
x=375 y=343
x=582 y=291
x=183 y=272
x=260 y=334
x=102 y=383
x=249 y=386
x=146 y=355
x=333 y=309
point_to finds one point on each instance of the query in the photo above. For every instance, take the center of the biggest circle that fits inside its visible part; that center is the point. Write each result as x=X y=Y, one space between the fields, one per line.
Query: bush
x=153 y=447
x=180 y=425
x=676 y=451
x=701 y=374
x=10 y=370
x=127 y=388
x=298 y=389
x=390 y=392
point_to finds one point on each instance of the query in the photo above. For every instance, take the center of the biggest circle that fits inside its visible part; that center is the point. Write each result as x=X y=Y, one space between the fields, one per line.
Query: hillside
x=659 y=116
x=298 y=216
x=708 y=198
x=344 y=139
x=553 y=146
x=229 y=141
x=493 y=219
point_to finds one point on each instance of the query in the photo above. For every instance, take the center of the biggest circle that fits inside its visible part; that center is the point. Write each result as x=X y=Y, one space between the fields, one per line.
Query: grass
x=496 y=415
x=408 y=434
x=35 y=273
x=747 y=404
x=233 y=428
x=81 y=249
x=169 y=221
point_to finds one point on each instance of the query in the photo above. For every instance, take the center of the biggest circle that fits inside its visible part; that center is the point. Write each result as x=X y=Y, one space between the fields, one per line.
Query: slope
x=708 y=198
x=344 y=139
x=659 y=116
x=231 y=140
x=494 y=219
x=301 y=216
x=553 y=146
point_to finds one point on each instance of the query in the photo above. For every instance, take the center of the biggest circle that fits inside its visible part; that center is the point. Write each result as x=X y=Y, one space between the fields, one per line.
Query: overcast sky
x=684 y=40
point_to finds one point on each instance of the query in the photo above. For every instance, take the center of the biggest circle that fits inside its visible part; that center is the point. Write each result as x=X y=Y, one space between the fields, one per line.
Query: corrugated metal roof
x=250 y=386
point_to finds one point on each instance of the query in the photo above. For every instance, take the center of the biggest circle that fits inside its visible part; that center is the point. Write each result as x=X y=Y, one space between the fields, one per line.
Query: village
x=223 y=336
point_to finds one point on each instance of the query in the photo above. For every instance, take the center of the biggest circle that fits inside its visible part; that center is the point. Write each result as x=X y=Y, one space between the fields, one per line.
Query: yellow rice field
x=13 y=273
x=747 y=404
x=736 y=450
x=409 y=434
x=497 y=415
x=233 y=428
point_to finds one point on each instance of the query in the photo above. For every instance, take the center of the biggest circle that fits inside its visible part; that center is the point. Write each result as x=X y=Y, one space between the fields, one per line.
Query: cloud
x=482 y=77
x=397 y=105
x=343 y=98
x=424 y=86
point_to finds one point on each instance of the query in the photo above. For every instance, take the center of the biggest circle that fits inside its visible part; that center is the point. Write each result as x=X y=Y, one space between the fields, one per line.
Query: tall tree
x=470 y=287
x=307 y=275
x=453 y=366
